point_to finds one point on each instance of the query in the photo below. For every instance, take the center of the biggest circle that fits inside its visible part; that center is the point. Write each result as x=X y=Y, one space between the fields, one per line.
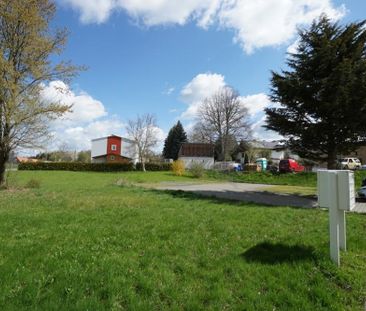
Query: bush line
x=91 y=167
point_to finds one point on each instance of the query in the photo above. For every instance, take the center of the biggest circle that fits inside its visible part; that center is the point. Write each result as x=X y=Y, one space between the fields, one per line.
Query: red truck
x=290 y=166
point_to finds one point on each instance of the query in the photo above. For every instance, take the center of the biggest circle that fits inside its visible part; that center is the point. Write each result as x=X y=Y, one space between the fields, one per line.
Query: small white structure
x=199 y=153
x=336 y=191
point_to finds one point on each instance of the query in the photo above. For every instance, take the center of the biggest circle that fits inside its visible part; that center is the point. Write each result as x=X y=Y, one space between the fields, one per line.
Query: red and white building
x=113 y=149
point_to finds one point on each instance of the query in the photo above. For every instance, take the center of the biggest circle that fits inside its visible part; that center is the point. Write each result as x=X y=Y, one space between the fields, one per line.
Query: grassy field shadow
x=269 y=253
x=252 y=198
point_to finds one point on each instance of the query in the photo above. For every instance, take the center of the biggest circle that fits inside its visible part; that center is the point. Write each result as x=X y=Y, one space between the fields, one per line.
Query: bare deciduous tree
x=26 y=44
x=201 y=134
x=143 y=130
x=224 y=116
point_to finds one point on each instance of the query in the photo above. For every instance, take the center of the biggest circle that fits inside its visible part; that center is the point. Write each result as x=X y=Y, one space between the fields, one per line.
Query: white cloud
x=87 y=119
x=256 y=103
x=79 y=137
x=293 y=48
x=256 y=23
x=84 y=107
x=168 y=91
x=160 y=135
x=205 y=85
x=93 y=11
x=200 y=87
x=260 y=133
x=264 y=23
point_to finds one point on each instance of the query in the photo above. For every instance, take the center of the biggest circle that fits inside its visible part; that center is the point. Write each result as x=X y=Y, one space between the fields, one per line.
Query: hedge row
x=94 y=167
x=76 y=166
x=154 y=167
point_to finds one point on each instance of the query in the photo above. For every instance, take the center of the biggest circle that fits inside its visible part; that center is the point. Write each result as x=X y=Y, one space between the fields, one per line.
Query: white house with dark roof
x=200 y=153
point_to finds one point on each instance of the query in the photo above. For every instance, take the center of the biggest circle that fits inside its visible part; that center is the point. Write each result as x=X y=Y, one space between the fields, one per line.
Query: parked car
x=237 y=167
x=290 y=166
x=349 y=164
x=363 y=167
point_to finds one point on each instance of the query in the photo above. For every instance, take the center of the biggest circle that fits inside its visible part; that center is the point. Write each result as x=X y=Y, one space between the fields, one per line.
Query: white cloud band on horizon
x=256 y=24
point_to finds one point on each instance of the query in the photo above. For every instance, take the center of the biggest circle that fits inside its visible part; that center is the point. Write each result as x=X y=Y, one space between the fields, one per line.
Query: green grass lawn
x=83 y=241
x=306 y=179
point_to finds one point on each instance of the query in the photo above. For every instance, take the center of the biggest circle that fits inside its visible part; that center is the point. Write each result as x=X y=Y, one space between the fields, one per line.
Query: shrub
x=178 y=167
x=76 y=166
x=197 y=169
x=154 y=167
x=33 y=184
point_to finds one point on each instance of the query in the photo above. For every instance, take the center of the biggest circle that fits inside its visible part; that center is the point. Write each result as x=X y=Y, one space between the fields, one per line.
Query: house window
x=112 y=158
x=113 y=147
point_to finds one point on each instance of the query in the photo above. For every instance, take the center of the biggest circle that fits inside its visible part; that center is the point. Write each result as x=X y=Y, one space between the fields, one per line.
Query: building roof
x=122 y=138
x=105 y=137
x=196 y=150
x=273 y=145
x=26 y=160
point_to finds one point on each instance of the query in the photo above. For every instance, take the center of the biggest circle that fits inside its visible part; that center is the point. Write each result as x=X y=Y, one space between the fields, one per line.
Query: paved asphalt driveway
x=256 y=193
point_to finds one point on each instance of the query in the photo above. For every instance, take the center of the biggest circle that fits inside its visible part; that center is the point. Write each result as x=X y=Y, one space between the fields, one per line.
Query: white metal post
x=336 y=192
x=333 y=218
x=342 y=229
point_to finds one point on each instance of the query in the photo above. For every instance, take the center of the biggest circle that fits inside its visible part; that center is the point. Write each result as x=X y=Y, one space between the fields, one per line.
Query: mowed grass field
x=90 y=241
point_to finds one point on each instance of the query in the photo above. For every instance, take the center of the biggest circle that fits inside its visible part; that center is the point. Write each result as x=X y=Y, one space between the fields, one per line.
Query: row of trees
x=83 y=156
x=322 y=94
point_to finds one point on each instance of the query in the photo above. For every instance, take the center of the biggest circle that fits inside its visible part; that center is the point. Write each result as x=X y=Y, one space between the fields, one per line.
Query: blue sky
x=165 y=56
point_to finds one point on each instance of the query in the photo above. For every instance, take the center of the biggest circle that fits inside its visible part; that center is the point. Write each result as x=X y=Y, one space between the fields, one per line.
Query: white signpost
x=336 y=191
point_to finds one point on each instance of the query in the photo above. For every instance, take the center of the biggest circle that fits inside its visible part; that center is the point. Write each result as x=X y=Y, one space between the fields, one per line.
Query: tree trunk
x=4 y=156
x=223 y=149
x=332 y=158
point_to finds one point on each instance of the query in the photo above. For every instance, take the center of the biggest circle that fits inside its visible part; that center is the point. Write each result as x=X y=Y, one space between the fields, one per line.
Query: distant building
x=274 y=151
x=26 y=160
x=113 y=149
x=191 y=153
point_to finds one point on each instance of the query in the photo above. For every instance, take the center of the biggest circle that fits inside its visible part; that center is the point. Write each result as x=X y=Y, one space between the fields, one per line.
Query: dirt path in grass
x=257 y=193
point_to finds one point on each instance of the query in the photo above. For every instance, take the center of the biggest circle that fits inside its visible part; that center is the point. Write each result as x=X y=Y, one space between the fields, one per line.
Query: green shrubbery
x=154 y=167
x=91 y=167
x=197 y=169
x=76 y=166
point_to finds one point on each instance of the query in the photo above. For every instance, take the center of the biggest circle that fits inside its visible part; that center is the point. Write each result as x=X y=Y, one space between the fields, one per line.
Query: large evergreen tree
x=322 y=95
x=174 y=140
